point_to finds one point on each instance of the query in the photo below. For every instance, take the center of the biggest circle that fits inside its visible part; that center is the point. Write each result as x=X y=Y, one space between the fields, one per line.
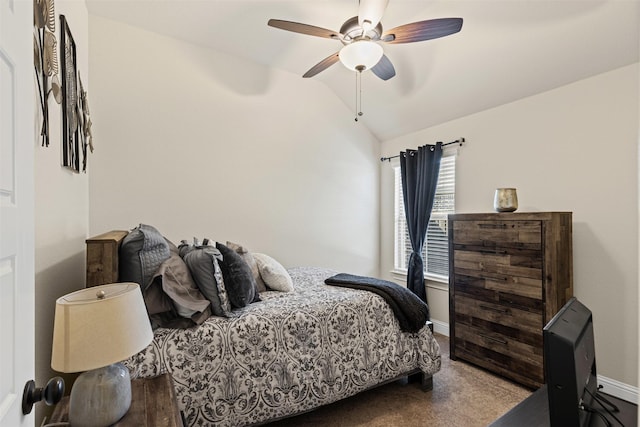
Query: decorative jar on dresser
x=509 y=274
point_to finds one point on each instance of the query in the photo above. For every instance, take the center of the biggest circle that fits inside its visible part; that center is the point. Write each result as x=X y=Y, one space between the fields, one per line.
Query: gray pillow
x=140 y=254
x=251 y=262
x=173 y=299
x=178 y=284
x=202 y=261
x=238 y=277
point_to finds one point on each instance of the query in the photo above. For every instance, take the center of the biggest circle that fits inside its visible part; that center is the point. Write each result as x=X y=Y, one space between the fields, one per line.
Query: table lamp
x=95 y=329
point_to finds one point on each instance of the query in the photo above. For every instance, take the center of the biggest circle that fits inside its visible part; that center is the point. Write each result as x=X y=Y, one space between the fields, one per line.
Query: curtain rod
x=457 y=141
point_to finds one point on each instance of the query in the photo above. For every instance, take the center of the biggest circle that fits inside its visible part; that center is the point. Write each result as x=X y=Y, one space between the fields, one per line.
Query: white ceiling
x=507 y=49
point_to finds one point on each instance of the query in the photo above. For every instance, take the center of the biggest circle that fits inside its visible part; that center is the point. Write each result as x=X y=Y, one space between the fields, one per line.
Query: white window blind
x=435 y=252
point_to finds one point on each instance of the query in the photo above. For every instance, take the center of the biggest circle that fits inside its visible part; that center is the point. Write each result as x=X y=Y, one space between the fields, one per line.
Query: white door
x=17 y=142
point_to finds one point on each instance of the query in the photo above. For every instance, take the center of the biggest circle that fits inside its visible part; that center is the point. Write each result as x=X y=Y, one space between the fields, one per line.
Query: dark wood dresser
x=509 y=274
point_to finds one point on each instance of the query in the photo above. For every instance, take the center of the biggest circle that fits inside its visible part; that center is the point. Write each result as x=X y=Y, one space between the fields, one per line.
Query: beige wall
x=200 y=143
x=569 y=149
x=62 y=212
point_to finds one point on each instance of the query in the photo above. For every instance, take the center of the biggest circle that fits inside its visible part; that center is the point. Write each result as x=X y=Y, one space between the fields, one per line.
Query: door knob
x=51 y=393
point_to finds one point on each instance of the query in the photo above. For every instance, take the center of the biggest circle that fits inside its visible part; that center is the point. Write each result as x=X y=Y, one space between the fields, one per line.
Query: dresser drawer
x=516 y=274
x=500 y=354
x=500 y=343
x=525 y=325
x=489 y=235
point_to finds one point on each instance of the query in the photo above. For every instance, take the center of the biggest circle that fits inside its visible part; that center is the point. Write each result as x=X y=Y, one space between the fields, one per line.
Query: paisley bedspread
x=289 y=353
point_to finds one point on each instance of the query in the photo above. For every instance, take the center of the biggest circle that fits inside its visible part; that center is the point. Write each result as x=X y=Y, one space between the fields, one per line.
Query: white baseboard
x=620 y=390
x=614 y=388
x=440 y=327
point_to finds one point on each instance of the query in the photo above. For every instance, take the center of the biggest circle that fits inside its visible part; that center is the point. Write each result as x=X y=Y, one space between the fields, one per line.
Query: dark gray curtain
x=419 y=169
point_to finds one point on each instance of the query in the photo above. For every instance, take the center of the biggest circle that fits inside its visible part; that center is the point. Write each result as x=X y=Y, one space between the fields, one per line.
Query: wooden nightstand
x=102 y=257
x=153 y=404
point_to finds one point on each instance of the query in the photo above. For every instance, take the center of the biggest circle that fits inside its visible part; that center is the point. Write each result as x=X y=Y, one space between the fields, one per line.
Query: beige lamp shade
x=98 y=326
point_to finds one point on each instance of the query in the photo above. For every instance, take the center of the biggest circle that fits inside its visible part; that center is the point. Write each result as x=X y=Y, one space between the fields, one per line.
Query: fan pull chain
x=356 y=119
x=359 y=70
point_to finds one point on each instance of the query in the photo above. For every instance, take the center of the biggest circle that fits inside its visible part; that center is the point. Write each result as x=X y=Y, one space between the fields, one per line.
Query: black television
x=570 y=365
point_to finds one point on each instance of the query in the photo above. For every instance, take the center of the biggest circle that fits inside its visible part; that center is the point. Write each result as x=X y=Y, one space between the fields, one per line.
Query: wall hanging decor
x=84 y=122
x=70 y=128
x=45 y=60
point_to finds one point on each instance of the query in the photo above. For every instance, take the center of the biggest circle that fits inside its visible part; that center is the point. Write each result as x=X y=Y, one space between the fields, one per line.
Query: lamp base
x=100 y=397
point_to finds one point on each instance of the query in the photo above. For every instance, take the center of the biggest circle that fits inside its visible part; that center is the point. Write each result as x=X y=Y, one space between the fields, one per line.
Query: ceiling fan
x=362 y=34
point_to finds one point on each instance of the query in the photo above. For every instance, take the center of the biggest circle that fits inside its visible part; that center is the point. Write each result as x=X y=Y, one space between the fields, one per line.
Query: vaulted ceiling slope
x=507 y=49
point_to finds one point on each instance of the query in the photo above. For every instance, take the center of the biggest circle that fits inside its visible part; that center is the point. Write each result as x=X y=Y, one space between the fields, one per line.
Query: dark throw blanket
x=412 y=313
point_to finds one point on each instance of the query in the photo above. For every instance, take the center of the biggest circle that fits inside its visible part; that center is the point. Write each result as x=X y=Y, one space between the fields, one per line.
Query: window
x=435 y=252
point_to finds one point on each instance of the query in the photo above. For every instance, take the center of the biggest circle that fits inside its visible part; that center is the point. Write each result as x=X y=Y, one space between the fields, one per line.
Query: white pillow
x=273 y=274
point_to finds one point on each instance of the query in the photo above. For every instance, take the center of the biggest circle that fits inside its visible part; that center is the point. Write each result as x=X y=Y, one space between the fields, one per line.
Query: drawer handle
x=498 y=340
x=495 y=279
x=492 y=226
x=496 y=309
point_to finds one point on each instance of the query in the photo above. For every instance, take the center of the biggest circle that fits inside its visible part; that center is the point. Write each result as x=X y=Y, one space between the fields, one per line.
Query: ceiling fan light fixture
x=361 y=53
x=370 y=13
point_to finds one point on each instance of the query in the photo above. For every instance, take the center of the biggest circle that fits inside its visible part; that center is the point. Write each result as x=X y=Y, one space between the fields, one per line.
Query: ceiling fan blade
x=310 y=30
x=322 y=65
x=422 y=30
x=384 y=68
x=370 y=12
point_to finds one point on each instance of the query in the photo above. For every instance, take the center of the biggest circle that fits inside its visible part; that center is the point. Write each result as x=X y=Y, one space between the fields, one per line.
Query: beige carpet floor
x=462 y=396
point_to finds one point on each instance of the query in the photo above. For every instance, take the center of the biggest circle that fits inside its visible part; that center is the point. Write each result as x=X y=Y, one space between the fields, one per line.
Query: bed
x=286 y=354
